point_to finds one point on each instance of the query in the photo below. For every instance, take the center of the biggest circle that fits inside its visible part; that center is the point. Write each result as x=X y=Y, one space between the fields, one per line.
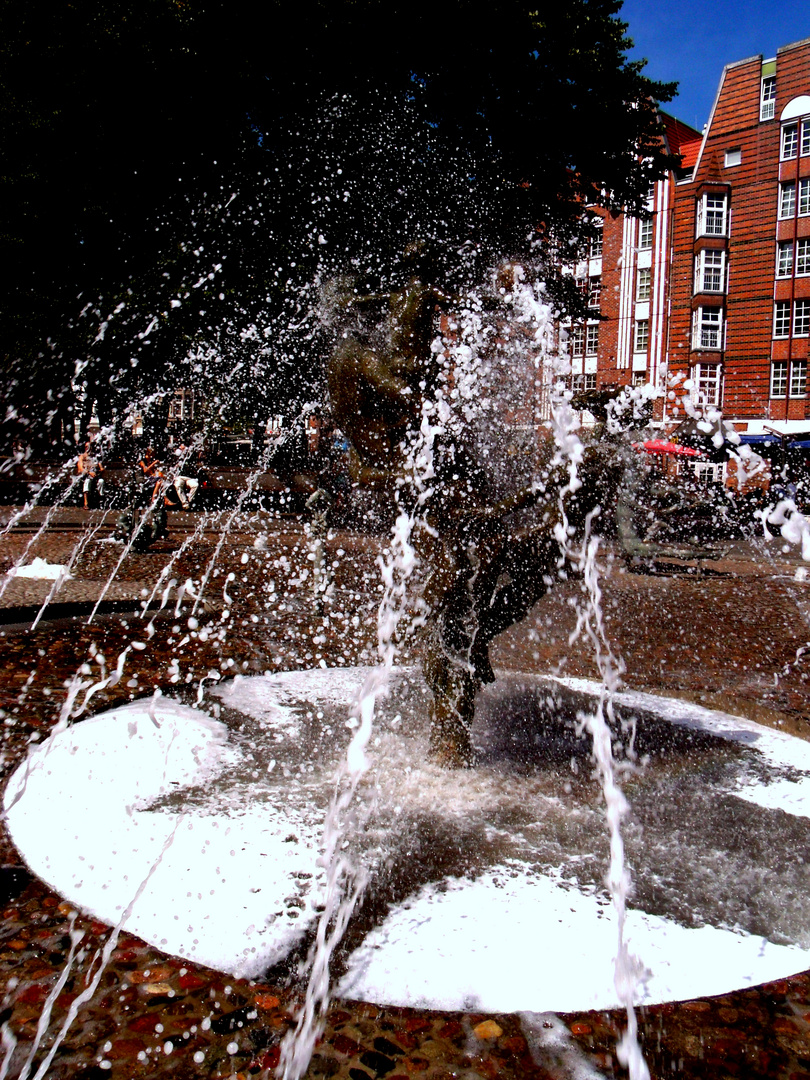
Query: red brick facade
x=721 y=276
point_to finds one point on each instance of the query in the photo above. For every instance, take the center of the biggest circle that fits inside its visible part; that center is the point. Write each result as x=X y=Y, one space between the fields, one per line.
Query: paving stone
x=758 y=1032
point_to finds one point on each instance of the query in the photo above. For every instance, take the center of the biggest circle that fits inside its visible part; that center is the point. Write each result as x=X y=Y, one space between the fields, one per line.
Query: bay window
x=707 y=328
x=709 y=271
x=711 y=215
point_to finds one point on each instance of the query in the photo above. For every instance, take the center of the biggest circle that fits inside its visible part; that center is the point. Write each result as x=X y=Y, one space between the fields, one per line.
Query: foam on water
x=489 y=880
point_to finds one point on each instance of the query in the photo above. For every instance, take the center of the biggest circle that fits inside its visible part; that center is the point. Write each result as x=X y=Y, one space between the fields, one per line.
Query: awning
x=658 y=446
x=775 y=440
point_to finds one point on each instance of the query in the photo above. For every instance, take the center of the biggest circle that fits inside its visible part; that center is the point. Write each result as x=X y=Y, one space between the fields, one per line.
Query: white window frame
x=803 y=256
x=708 y=326
x=787 y=199
x=712 y=215
x=714 y=261
x=767 y=98
x=707 y=380
x=804 y=148
x=641 y=335
x=596 y=241
x=645 y=234
x=584 y=382
x=798 y=378
x=591 y=339
x=708 y=472
x=801 y=318
x=792 y=375
x=804 y=196
x=779 y=378
x=781 y=319
x=594 y=291
x=790 y=141
x=576 y=340
x=733 y=157
x=784 y=259
x=643 y=283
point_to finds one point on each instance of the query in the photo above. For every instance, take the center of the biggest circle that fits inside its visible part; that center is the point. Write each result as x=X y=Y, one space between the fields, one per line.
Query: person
x=186 y=482
x=92 y=470
x=151 y=476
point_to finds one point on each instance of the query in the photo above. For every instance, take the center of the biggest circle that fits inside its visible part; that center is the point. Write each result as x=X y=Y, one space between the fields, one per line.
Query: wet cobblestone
x=732 y=639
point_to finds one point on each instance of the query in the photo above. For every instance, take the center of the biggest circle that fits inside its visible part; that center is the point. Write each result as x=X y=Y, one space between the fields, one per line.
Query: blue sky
x=691 y=41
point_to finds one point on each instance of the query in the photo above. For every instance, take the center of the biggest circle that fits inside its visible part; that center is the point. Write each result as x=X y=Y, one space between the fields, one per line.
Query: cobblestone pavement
x=731 y=637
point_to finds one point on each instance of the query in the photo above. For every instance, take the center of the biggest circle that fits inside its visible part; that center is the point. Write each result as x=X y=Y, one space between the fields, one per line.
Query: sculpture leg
x=453 y=684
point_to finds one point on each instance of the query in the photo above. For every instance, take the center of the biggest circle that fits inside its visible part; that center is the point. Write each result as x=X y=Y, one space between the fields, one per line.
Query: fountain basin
x=486 y=885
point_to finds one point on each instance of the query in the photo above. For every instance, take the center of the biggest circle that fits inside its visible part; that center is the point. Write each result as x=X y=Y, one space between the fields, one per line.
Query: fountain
x=226 y=788
x=364 y=796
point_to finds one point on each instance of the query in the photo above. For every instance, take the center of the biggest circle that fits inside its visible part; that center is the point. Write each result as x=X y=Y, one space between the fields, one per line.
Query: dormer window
x=767 y=100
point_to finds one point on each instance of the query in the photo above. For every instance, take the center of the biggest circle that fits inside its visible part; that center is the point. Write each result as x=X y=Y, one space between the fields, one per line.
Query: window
x=779 y=378
x=708 y=472
x=708 y=383
x=642 y=335
x=594 y=292
x=787 y=199
x=804 y=197
x=581 y=284
x=576 y=340
x=584 y=382
x=711 y=216
x=790 y=141
x=803 y=256
x=591 y=339
x=801 y=319
x=645 y=233
x=781 y=318
x=798 y=378
x=708 y=329
x=709 y=267
x=784 y=259
x=733 y=157
x=767 y=100
x=595 y=246
x=643 y=283
x=805 y=138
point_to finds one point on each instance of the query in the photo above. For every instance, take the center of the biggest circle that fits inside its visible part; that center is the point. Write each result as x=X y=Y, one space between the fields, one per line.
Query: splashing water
x=345 y=880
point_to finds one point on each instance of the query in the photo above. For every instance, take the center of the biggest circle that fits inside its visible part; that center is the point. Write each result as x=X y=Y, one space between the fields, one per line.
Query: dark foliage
x=183 y=174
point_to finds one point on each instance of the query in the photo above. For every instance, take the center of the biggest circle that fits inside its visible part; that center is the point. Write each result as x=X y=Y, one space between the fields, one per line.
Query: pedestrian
x=187 y=479
x=151 y=476
x=92 y=470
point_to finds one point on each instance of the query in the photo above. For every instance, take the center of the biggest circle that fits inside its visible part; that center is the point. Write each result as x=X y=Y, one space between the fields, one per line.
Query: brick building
x=713 y=293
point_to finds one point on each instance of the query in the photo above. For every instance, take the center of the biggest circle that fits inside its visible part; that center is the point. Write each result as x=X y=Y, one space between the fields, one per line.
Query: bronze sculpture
x=487 y=568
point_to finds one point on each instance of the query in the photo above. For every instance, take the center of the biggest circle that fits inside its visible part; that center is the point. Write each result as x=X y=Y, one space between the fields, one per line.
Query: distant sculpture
x=487 y=569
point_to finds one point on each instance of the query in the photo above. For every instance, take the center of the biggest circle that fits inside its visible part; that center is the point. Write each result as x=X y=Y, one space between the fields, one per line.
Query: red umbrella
x=658 y=446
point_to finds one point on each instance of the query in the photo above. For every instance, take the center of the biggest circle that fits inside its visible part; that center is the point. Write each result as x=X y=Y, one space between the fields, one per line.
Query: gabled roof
x=681 y=139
